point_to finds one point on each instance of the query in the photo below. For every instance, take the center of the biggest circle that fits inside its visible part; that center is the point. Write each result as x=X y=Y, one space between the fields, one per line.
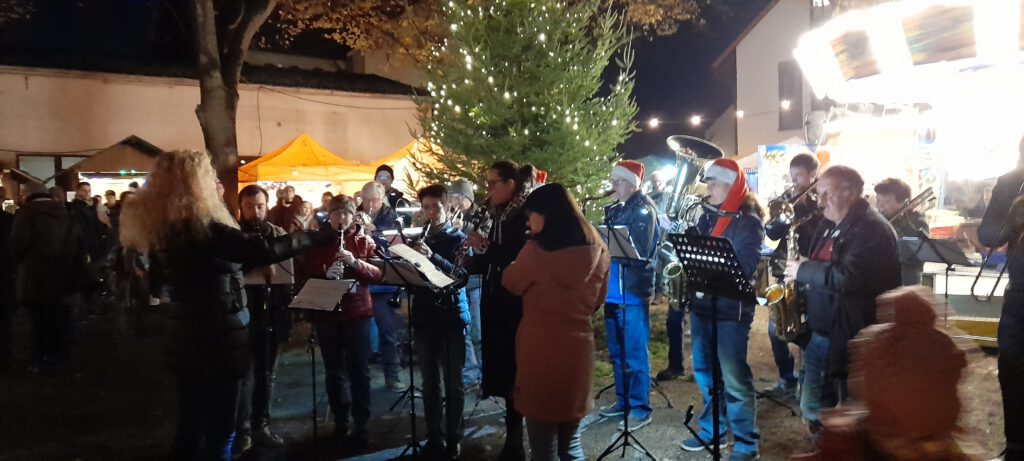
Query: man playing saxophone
x=853 y=259
x=803 y=171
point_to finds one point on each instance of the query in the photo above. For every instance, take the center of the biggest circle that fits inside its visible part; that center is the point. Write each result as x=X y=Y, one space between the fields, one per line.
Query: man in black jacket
x=853 y=259
x=803 y=169
x=47 y=250
x=269 y=326
x=1004 y=224
x=439 y=326
x=891 y=195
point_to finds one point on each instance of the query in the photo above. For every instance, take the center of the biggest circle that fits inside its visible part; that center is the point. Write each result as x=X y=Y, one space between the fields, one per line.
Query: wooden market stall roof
x=130 y=154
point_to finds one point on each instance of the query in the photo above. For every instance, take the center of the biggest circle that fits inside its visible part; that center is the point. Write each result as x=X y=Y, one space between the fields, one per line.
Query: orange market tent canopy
x=303 y=159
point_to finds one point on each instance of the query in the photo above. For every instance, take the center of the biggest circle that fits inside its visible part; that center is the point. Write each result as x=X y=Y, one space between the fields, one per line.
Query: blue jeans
x=206 y=418
x=554 y=441
x=471 y=371
x=738 y=409
x=674 y=328
x=440 y=354
x=389 y=329
x=812 y=379
x=783 y=357
x=345 y=348
x=629 y=327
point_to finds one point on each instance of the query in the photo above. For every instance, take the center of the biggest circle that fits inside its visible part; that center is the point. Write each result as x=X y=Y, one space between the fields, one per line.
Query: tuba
x=787 y=308
x=692 y=155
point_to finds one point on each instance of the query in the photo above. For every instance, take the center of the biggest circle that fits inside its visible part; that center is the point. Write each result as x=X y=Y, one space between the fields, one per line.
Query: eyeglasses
x=617 y=181
x=491 y=184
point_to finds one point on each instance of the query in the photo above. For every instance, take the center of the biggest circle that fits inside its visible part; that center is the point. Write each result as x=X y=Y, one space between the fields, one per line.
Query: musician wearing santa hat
x=736 y=215
x=630 y=288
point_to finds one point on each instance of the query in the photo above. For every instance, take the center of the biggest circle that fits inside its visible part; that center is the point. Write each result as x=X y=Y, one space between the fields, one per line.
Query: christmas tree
x=521 y=80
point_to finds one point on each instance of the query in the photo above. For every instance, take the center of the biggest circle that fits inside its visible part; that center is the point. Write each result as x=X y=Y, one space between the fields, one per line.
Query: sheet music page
x=436 y=277
x=321 y=295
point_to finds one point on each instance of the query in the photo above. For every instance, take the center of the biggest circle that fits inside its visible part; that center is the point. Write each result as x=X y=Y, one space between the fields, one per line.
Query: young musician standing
x=741 y=225
x=1004 y=224
x=853 y=259
x=344 y=335
x=500 y=310
x=630 y=289
x=891 y=195
x=439 y=323
x=803 y=170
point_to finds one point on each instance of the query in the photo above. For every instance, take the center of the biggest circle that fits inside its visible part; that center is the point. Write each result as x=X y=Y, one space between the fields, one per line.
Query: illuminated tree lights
x=523 y=82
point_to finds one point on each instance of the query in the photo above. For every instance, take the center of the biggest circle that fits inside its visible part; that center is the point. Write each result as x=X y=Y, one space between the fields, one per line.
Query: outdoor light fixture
x=785 y=104
x=695 y=120
x=654 y=122
x=739 y=114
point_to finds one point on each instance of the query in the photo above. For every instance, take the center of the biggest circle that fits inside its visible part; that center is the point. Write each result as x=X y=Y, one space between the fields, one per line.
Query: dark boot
x=263 y=436
x=513 y=449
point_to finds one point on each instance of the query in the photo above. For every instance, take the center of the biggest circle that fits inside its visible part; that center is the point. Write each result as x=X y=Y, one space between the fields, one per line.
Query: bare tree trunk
x=221 y=44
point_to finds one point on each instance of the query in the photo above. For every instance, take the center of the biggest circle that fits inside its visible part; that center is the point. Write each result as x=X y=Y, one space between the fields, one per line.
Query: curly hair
x=180 y=194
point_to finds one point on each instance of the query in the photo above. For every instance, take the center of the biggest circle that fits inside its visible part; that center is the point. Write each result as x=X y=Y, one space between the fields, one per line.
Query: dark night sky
x=673 y=74
x=674 y=79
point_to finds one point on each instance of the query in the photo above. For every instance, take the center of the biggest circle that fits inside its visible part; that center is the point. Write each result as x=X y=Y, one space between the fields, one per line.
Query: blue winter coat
x=639 y=214
x=746 y=233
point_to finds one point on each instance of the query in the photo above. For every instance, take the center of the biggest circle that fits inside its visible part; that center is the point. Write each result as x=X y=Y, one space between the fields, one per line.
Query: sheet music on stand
x=284 y=274
x=321 y=295
x=711 y=265
x=397 y=272
x=620 y=244
x=436 y=278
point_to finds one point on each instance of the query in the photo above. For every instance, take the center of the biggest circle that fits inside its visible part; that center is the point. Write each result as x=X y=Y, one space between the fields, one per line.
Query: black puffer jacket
x=842 y=287
x=208 y=340
x=47 y=246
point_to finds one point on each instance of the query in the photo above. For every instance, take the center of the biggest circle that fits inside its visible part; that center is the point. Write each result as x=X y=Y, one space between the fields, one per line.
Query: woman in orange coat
x=562 y=275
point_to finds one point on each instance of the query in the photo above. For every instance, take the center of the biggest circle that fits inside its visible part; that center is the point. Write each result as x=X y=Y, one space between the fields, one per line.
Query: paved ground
x=117 y=402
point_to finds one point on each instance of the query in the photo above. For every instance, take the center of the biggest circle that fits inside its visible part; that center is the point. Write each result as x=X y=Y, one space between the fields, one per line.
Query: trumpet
x=782 y=209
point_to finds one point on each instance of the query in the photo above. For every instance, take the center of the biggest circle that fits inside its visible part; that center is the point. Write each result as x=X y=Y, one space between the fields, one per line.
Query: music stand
x=942 y=251
x=621 y=248
x=712 y=268
x=317 y=298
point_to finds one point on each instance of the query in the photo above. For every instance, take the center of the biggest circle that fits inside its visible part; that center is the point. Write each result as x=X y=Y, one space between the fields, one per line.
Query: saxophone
x=787 y=308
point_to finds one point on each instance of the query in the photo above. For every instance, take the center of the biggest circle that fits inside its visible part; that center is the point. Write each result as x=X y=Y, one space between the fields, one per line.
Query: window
x=791 y=96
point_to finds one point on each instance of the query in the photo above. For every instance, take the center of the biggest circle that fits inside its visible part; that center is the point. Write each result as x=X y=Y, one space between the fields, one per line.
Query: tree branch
x=238 y=37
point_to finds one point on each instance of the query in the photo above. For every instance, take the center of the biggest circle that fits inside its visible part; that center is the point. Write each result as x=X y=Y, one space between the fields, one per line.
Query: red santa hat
x=630 y=170
x=728 y=171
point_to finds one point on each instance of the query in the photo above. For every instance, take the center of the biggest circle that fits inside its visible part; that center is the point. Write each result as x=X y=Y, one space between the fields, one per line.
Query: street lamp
x=695 y=120
x=654 y=122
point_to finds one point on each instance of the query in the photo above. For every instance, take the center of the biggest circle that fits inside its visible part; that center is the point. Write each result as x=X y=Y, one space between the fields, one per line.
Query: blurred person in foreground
x=180 y=216
x=562 y=275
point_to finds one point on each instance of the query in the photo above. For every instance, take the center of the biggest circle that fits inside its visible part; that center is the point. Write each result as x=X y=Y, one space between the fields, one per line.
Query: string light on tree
x=521 y=116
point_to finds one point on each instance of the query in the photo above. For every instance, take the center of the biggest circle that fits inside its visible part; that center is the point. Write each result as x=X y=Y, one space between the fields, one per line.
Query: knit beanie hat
x=461 y=187
x=341 y=202
x=630 y=170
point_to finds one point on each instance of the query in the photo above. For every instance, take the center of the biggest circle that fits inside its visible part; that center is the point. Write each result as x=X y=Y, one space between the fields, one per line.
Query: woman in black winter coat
x=501 y=311
x=180 y=216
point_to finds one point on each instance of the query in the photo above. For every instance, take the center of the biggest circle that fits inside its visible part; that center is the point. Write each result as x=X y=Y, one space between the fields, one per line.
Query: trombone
x=926 y=196
x=782 y=209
